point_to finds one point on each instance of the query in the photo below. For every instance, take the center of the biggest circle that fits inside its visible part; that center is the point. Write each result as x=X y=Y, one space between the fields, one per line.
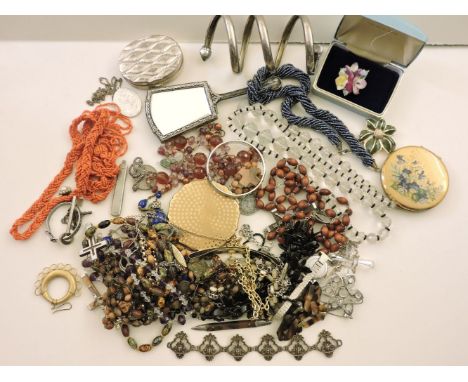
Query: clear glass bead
x=350 y=174
x=373 y=191
x=366 y=263
x=358 y=180
x=371 y=237
x=305 y=134
x=358 y=237
x=296 y=151
x=280 y=144
x=315 y=145
x=250 y=130
x=265 y=137
x=334 y=176
x=357 y=193
x=344 y=188
x=335 y=159
x=320 y=165
x=383 y=233
x=350 y=232
x=367 y=201
x=307 y=160
x=329 y=182
x=318 y=171
x=379 y=210
x=386 y=221
x=345 y=166
x=366 y=185
x=325 y=153
x=343 y=177
x=295 y=130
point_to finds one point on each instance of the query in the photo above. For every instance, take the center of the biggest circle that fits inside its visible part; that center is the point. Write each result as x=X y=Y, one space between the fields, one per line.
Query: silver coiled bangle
x=238 y=58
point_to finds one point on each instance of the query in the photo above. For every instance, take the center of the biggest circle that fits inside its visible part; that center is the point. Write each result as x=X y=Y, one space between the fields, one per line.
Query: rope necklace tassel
x=320 y=120
x=98 y=139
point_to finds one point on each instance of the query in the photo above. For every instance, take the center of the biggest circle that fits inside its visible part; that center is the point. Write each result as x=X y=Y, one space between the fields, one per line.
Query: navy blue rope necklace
x=320 y=120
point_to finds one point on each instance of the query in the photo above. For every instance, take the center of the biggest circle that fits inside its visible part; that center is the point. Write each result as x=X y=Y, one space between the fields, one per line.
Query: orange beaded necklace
x=98 y=138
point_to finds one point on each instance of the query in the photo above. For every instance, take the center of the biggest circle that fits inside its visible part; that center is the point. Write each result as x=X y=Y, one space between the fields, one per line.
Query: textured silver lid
x=150 y=61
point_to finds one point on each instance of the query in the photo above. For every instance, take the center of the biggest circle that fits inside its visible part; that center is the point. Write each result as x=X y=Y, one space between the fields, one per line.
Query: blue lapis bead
x=108 y=239
x=158 y=194
x=161 y=215
x=142 y=203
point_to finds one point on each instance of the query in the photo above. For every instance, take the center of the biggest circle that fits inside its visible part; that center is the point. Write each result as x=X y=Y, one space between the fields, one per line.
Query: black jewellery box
x=382 y=45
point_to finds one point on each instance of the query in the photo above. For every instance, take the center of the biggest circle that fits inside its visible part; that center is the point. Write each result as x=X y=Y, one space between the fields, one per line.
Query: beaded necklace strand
x=98 y=139
x=255 y=125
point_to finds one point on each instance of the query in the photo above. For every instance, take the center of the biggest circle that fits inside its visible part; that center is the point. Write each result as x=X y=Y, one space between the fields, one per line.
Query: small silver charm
x=142 y=175
x=128 y=101
x=247 y=205
x=108 y=89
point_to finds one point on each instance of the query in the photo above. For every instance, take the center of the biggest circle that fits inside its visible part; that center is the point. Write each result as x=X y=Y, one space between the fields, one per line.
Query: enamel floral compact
x=415 y=178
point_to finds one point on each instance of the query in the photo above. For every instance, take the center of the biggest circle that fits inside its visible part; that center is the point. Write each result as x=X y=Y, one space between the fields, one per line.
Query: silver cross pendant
x=91 y=249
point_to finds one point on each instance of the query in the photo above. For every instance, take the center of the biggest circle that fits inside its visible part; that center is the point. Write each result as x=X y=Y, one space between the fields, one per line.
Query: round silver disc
x=128 y=101
x=150 y=61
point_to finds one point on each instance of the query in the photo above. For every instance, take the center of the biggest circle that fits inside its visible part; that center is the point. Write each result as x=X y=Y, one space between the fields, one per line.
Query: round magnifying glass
x=235 y=168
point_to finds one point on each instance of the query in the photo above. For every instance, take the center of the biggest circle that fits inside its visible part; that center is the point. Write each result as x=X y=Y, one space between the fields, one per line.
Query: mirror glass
x=172 y=110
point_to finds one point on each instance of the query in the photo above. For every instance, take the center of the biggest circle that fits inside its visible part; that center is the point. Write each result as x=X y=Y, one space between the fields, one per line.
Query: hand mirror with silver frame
x=172 y=110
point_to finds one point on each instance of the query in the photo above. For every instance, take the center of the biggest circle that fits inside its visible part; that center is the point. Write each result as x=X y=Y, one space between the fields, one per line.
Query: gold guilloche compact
x=415 y=178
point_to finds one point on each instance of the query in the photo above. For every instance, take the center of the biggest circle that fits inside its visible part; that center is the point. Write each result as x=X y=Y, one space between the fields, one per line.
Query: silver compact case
x=150 y=61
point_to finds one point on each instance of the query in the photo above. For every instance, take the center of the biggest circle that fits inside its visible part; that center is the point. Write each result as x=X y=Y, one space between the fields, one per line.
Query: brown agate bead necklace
x=317 y=207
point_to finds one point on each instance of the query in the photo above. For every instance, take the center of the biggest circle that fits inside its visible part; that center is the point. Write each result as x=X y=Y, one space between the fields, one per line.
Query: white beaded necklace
x=258 y=125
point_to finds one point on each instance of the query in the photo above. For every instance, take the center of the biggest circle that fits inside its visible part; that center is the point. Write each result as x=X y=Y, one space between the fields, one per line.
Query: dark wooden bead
x=125 y=330
x=104 y=224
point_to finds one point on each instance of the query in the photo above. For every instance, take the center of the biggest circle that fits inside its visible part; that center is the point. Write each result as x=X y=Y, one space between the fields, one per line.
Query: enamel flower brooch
x=351 y=79
x=377 y=136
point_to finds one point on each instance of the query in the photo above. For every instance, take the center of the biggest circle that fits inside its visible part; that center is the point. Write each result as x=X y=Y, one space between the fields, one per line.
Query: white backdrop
x=415 y=304
x=439 y=29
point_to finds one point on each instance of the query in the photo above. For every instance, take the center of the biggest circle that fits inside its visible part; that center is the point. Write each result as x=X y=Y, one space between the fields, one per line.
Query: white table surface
x=416 y=306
